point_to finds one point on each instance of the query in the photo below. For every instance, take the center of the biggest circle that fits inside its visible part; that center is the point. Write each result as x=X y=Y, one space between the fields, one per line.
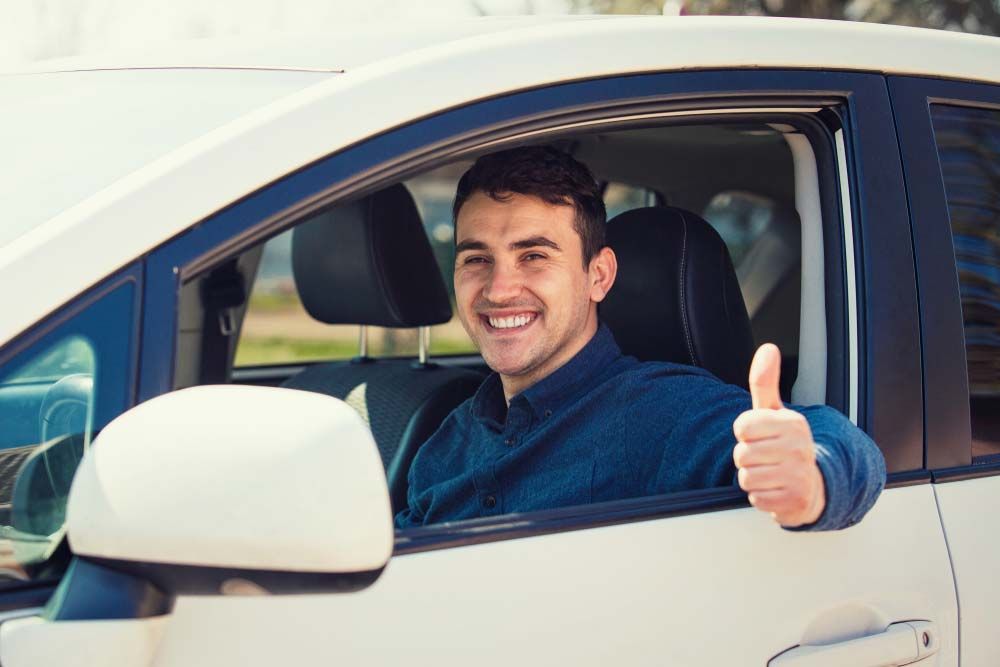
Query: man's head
x=531 y=265
x=548 y=174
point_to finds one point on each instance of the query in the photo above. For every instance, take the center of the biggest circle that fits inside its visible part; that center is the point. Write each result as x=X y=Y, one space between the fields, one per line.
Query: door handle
x=899 y=644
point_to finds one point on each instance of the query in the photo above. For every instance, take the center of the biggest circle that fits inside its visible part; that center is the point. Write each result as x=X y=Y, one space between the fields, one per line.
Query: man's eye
x=474 y=260
x=533 y=256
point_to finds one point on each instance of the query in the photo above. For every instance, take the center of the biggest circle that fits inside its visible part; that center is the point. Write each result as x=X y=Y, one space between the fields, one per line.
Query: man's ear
x=602 y=272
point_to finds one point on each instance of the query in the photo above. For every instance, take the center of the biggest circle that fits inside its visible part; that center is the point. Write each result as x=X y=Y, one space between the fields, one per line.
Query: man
x=566 y=419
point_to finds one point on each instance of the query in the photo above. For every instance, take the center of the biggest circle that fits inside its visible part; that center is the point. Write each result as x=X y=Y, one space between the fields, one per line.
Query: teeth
x=510 y=322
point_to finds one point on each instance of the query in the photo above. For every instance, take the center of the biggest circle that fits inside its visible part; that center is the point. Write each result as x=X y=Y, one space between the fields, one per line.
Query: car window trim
x=585 y=517
x=850 y=275
x=565 y=519
x=132 y=273
x=948 y=426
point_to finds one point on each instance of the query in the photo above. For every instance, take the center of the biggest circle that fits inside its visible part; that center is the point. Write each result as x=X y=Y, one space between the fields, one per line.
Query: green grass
x=256 y=351
x=280 y=350
x=270 y=302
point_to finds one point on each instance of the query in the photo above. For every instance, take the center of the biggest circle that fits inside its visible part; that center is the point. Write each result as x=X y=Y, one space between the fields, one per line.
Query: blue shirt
x=605 y=427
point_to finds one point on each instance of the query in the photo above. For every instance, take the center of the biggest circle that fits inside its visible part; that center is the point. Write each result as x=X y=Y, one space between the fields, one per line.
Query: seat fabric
x=403 y=404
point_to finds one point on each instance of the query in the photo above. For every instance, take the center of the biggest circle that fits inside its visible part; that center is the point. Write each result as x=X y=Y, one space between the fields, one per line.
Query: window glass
x=621 y=197
x=766 y=249
x=54 y=398
x=968 y=142
x=741 y=218
x=277 y=328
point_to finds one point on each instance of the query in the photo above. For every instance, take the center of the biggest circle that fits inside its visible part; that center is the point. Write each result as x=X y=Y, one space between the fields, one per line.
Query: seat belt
x=221 y=293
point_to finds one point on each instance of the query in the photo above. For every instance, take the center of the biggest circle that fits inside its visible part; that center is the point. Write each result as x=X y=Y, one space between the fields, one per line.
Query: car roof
x=336 y=50
x=761 y=41
x=395 y=81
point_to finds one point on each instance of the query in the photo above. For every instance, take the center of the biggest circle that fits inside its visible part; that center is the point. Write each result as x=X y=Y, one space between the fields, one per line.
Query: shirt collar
x=559 y=388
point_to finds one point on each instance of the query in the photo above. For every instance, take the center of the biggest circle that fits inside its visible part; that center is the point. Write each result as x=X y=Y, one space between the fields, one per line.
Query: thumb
x=765 y=371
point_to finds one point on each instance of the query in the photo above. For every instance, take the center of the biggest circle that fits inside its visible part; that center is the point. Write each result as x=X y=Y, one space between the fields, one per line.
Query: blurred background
x=32 y=30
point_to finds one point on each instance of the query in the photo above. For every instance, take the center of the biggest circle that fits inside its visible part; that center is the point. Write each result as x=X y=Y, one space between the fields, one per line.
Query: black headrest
x=369 y=262
x=676 y=297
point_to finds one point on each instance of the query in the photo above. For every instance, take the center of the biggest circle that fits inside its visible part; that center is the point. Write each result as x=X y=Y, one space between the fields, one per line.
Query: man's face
x=524 y=295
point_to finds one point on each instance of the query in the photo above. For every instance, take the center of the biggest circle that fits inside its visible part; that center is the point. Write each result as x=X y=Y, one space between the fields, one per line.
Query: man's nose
x=504 y=283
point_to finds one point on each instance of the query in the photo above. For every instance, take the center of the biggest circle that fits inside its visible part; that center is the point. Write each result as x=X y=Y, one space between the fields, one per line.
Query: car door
x=950 y=141
x=696 y=578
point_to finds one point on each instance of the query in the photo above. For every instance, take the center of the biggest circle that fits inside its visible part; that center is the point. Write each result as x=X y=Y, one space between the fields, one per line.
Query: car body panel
x=625 y=594
x=972 y=544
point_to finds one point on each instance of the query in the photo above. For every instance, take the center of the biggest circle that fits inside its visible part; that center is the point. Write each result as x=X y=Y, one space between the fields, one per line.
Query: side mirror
x=234 y=489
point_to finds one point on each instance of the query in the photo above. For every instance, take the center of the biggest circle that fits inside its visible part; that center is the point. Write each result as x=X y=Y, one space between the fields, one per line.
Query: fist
x=775 y=453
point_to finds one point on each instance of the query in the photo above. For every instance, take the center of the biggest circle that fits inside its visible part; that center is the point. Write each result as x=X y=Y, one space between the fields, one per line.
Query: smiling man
x=566 y=418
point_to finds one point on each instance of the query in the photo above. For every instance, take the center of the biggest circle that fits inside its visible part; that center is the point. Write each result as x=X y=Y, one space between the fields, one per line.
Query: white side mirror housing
x=206 y=486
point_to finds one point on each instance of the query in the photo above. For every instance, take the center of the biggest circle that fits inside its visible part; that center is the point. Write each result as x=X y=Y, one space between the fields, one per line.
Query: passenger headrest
x=369 y=262
x=676 y=297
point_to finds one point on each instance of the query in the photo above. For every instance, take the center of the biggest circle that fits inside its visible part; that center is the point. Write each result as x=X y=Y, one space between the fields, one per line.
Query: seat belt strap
x=221 y=293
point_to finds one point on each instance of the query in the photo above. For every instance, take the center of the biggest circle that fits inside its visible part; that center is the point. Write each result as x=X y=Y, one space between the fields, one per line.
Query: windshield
x=66 y=136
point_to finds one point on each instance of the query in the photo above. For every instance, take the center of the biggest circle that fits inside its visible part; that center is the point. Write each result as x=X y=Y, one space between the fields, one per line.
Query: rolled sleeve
x=852 y=466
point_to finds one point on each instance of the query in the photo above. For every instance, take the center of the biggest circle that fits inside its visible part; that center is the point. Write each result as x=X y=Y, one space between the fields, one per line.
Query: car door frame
x=965 y=490
x=945 y=376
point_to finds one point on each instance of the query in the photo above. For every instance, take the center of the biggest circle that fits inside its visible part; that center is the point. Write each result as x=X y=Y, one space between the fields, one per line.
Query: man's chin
x=509 y=366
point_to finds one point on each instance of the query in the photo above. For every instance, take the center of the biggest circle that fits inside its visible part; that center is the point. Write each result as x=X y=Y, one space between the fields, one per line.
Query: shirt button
x=490 y=502
x=509 y=442
x=548 y=413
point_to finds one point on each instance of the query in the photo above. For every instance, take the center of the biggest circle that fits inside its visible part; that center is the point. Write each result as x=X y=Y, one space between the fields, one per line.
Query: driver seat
x=676 y=297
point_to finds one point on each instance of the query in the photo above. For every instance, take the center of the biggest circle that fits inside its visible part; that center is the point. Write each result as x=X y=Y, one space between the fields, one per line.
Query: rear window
x=968 y=143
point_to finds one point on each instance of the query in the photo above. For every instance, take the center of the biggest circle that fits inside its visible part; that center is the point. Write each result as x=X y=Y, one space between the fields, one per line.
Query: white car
x=157 y=208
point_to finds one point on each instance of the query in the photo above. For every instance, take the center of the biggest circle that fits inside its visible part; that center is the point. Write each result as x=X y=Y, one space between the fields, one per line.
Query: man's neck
x=516 y=384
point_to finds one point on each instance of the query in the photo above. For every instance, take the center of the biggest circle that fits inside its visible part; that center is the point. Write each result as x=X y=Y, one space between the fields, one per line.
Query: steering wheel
x=65 y=406
x=64 y=414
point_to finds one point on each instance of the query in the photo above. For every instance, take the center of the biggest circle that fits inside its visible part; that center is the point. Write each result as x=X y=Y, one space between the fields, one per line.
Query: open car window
x=768 y=217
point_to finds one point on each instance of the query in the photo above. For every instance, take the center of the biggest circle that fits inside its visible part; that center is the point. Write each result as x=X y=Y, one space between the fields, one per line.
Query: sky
x=32 y=30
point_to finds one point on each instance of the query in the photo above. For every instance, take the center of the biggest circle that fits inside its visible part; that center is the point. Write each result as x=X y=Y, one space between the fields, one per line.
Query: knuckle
x=739 y=454
x=741 y=423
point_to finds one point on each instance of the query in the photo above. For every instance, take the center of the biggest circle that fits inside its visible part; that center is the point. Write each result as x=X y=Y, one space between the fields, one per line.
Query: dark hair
x=544 y=172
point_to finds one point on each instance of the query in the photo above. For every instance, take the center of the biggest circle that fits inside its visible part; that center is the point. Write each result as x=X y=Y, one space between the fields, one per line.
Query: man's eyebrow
x=534 y=242
x=470 y=244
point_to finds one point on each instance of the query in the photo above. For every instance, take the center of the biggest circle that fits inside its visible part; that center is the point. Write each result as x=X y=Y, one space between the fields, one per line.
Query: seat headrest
x=369 y=262
x=676 y=297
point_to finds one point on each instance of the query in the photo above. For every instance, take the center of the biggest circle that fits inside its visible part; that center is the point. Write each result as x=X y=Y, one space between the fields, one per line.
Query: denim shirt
x=605 y=427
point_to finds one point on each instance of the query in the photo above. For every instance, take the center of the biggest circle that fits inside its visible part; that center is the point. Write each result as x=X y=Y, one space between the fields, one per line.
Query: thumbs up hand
x=775 y=452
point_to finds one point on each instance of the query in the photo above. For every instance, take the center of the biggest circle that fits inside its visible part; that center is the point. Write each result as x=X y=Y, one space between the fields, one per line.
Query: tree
x=979 y=16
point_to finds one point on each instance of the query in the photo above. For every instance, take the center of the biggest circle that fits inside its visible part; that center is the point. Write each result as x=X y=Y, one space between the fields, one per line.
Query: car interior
x=719 y=237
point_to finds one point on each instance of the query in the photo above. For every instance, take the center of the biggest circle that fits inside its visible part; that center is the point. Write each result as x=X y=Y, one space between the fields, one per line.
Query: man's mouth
x=510 y=322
